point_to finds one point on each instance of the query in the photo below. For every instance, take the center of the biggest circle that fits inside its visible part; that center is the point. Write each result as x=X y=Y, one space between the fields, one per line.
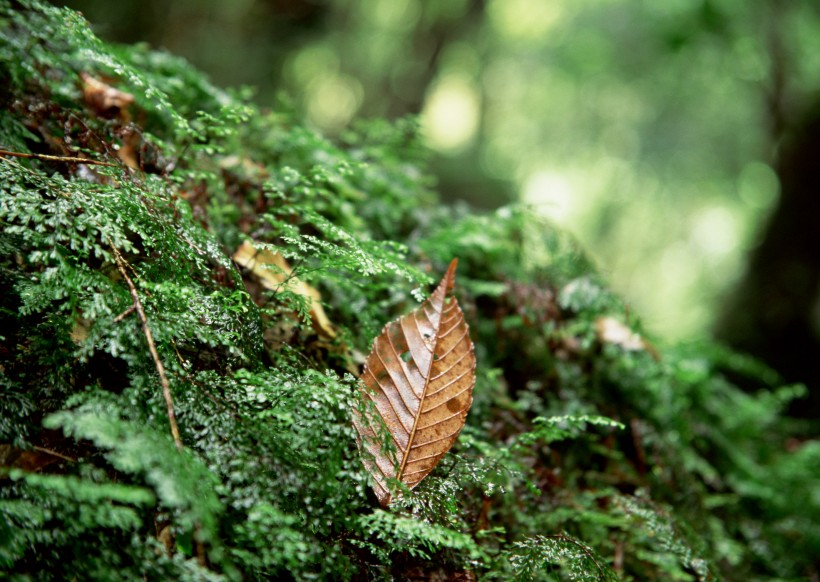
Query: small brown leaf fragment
x=128 y=150
x=80 y=329
x=166 y=538
x=105 y=100
x=31 y=460
x=419 y=378
x=612 y=331
x=274 y=273
x=111 y=103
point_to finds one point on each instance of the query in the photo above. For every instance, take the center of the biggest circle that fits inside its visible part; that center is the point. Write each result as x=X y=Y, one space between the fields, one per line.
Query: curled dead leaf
x=128 y=150
x=419 y=378
x=105 y=100
x=111 y=103
x=274 y=273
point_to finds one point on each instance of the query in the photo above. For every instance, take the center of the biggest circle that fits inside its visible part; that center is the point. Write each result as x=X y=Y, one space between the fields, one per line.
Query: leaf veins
x=419 y=377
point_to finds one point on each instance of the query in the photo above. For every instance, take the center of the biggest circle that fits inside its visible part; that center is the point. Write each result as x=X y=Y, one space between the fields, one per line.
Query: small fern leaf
x=419 y=377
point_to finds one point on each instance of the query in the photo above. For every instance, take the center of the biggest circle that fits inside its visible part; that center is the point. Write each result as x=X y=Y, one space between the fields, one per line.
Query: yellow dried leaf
x=274 y=273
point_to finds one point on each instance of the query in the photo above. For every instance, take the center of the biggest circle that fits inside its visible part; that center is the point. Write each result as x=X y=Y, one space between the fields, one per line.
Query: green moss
x=583 y=457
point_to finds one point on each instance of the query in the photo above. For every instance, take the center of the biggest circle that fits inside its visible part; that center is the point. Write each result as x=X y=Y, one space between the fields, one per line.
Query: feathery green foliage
x=584 y=458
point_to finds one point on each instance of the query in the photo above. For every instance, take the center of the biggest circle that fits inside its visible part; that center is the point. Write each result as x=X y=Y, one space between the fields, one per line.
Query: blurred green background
x=670 y=136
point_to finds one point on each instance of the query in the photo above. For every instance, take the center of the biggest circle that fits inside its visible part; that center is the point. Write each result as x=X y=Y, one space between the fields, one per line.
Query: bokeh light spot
x=451 y=113
x=524 y=19
x=333 y=100
x=551 y=191
x=716 y=231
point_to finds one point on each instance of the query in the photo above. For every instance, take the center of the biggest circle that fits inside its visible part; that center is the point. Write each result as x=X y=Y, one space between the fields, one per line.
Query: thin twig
x=124 y=314
x=67 y=159
x=163 y=379
x=54 y=454
x=179 y=356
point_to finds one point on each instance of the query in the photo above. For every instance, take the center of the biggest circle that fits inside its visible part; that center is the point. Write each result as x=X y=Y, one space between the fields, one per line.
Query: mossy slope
x=691 y=479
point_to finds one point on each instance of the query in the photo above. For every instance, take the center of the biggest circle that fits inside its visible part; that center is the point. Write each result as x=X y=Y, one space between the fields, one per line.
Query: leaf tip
x=450 y=276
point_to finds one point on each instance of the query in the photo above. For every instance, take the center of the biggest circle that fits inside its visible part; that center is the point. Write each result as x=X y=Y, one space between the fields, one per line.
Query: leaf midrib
x=427 y=378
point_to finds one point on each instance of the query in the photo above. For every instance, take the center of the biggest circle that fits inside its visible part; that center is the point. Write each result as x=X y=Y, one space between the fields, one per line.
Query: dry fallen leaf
x=128 y=150
x=281 y=277
x=612 y=331
x=104 y=99
x=419 y=377
x=30 y=461
x=108 y=102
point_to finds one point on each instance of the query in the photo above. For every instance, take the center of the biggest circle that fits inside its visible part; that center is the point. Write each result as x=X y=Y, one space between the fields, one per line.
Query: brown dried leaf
x=281 y=277
x=104 y=99
x=419 y=377
x=111 y=103
x=129 y=150
x=31 y=460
